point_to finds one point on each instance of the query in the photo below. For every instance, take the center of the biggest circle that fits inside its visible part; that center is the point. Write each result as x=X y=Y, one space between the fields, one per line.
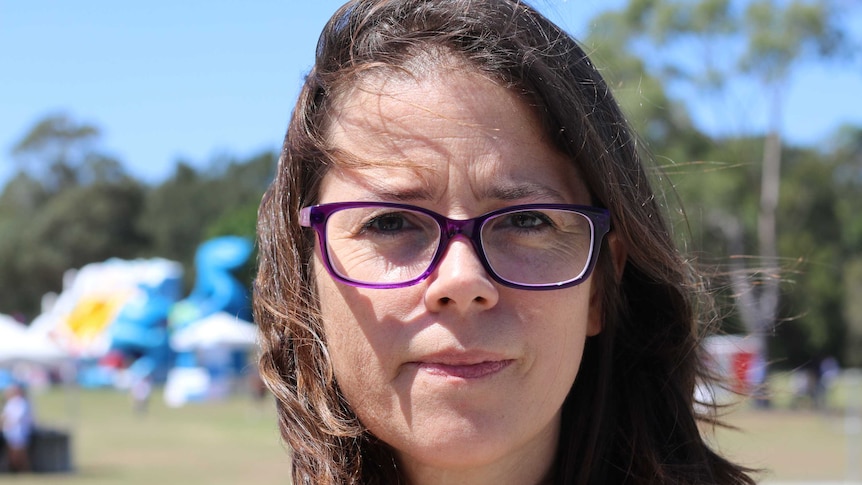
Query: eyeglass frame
x=316 y=217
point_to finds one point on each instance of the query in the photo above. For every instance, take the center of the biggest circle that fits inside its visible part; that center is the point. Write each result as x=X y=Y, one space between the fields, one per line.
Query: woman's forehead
x=388 y=117
x=413 y=182
x=414 y=134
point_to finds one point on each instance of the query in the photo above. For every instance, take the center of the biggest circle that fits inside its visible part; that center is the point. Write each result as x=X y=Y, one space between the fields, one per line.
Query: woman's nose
x=460 y=282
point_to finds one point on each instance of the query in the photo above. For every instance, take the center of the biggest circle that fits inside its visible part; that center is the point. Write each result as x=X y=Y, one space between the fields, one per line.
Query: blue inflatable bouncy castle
x=144 y=325
x=216 y=289
x=141 y=332
x=218 y=302
x=124 y=321
x=112 y=318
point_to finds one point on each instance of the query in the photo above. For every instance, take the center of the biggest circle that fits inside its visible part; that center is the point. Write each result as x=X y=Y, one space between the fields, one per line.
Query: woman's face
x=462 y=377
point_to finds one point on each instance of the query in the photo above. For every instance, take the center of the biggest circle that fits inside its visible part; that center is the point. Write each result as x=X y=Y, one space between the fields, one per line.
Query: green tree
x=853 y=312
x=176 y=212
x=69 y=204
x=704 y=46
x=193 y=206
x=55 y=150
x=79 y=225
x=848 y=206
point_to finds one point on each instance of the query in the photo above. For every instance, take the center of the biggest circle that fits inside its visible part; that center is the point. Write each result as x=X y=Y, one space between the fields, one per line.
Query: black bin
x=50 y=451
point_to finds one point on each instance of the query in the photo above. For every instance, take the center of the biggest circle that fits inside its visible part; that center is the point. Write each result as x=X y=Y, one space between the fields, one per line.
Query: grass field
x=799 y=445
x=236 y=442
x=222 y=443
x=791 y=446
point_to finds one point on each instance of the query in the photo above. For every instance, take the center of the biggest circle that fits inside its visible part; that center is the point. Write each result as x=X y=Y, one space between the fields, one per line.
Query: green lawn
x=789 y=445
x=799 y=443
x=228 y=442
x=236 y=442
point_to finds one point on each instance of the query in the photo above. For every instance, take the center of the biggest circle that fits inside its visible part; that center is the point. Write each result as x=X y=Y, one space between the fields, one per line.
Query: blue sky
x=168 y=80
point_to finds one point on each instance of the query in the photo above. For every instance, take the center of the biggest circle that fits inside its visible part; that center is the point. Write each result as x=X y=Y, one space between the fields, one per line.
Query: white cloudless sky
x=168 y=80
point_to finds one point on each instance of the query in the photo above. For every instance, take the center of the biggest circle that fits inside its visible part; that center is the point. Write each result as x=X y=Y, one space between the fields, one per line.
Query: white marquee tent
x=217 y=330
x=19 y=344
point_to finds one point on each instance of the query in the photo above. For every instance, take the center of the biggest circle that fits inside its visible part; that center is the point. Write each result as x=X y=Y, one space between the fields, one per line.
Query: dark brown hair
x=629 y=418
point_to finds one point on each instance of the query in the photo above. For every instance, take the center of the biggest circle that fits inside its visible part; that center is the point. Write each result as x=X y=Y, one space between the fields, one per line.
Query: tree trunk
x=766 y=235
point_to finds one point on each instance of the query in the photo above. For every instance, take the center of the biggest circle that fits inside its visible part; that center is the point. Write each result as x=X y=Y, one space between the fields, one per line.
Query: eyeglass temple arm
x=305 y=217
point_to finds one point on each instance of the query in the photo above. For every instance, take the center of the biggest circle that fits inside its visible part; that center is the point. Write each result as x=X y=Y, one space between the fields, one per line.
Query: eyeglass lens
x=527 y=246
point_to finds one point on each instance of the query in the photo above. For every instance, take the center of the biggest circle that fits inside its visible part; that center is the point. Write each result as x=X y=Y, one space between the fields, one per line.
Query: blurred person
x=140 y=391
x=17 y=427
x=465 y=276
x=828 y=373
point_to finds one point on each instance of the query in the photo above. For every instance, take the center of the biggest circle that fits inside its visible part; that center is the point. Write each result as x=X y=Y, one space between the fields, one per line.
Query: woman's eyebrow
x=526 y=190
x=400 y=194
x=380 y=187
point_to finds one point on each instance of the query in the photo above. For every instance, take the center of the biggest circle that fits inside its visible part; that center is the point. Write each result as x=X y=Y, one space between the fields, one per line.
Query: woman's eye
x=389 y=222
x=528 y=220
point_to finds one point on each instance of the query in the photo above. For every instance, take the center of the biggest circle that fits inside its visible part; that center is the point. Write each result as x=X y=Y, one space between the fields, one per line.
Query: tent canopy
x=220 y=329
x=29 y=347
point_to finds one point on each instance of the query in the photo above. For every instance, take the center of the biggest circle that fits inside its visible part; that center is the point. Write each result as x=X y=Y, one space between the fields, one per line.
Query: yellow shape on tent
x=92 y=315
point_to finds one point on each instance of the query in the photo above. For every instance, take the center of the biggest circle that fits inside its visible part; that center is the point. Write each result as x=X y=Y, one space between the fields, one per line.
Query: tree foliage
x=71 y=204
x=780 y=248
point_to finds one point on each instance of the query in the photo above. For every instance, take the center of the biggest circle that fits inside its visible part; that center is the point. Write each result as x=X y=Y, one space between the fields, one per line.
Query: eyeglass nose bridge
x=451 y=228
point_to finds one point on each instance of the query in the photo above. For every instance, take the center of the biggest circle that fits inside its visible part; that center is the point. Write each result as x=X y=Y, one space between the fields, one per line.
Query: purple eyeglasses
x=389 y=245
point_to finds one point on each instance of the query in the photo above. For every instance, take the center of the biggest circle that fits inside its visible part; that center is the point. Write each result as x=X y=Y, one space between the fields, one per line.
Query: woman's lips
x=464 y=371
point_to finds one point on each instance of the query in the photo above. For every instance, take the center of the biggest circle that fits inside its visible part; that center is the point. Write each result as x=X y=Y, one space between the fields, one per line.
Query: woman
x=464 y=274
